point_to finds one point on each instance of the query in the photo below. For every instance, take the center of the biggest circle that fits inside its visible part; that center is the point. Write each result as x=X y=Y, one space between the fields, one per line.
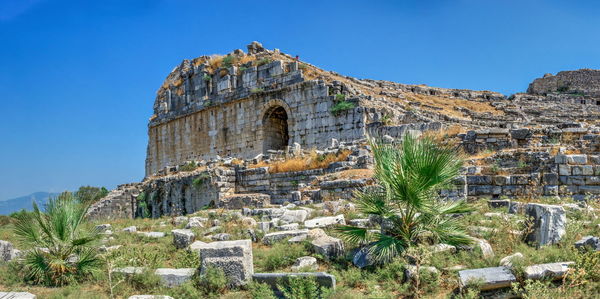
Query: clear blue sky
x=78 y=78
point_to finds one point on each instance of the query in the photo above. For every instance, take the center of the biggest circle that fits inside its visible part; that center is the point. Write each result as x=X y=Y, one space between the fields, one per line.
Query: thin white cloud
x=11 y=9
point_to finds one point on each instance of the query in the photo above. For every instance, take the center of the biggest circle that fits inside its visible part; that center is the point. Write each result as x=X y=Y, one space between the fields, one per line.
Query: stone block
x=410 y=271
x=130 y=229
x=290 y=216
x=271 y=238
x=239 y=201
x=587 y=170
x=152 y=234
x=306 y=263
x=17 y=295
x=6 y=251
x=590 y=242
x=544 y=271
x=564 y=169
x=551 y=179
x=273 y=279
x=501 y=180
x=548 y=223
x=325 y=221
x=182 y=238
x=576 y=159
x=174 y=277
x=127 y=271
x=487 y=278
x=233 y=257
x=329 y=247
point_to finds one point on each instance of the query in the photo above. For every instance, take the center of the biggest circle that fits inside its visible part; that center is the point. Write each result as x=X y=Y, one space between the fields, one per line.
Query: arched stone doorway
x=275 y=129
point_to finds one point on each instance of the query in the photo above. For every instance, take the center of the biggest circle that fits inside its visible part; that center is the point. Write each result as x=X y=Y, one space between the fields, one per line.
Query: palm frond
x=355 y=235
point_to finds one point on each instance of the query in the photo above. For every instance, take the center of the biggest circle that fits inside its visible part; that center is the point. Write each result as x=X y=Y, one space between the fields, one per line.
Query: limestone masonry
x=221 y=122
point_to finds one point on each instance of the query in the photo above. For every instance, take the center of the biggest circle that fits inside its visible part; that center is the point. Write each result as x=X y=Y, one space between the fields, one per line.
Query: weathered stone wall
x=278 y=185
x=119 y=203
x=584 y=81
x=240 y=127
x=186 y=193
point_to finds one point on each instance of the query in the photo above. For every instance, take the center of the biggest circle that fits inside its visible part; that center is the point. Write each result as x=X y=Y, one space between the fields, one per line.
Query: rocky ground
x=162 y=256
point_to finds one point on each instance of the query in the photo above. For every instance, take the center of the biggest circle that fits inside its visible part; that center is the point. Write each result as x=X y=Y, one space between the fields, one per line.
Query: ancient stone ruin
x=219 y=121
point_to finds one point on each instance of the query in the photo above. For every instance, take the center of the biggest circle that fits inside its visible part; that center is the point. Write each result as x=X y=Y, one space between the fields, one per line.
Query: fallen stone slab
x=550 y=270
x=290 y=216
x=182 y=238
x=174 y=277
x=487 y=278
x=273 y=279
x=233 y=257
x=324 y=221
x=291 y=226
x=486 y=248
x=442 y=248
x=179 y=220
x=329 y=247
x=271 y=238
x=130 y=229
x=221 y=237
x=152 y=234
x=195 y=247
x=588 y=242
x=547 y=222
x=305 y=262
x=17 y=295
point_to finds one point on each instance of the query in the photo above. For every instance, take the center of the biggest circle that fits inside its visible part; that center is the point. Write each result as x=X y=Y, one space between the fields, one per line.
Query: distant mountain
x=25 y=202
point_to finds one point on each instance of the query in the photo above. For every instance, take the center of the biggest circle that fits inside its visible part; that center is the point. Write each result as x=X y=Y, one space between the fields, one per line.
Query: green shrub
x=190 y=166
x=339 y=107
x=298 y=287
x=228 y=61
x=89 y=194
x=410 y=175
x=200 y=179
x=206 y=77
x=261 y=290
x=212 y=282
x=340 y=97
x=256 y=90
x=71 y=255
x=279 y=256
x=263 y=61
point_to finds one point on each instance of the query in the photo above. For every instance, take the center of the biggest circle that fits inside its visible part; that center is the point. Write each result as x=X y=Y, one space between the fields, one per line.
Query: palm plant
x=61 y=246
x=406 y=203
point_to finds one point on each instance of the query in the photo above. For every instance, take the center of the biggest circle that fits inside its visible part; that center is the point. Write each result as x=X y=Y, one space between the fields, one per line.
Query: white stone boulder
x=487 y=278
x=130 y=229
x=17 y=295
x=290 y=216
x=508 y=261
x=174 y=277
x=152 y=234
x=271 y=238
x=305 y=263
x=182 y=238
x=543 y=271
x=329 y=247
x=548 y=223
x=324 y=221
x=233 y=257
x=486 y=248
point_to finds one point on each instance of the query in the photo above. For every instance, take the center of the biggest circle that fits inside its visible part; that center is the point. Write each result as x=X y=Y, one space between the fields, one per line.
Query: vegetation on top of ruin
x=313 y=160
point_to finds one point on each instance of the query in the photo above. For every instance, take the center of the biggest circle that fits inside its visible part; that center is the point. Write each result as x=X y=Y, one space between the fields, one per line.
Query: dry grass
x=247 y=58
x=214 y=62
x=447 y=105
x=312 y=161
x=352 y=174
